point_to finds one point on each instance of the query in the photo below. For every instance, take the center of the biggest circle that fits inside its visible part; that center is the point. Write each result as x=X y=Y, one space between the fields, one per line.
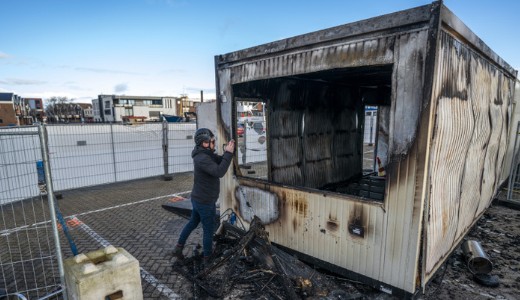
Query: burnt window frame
x=237 y=168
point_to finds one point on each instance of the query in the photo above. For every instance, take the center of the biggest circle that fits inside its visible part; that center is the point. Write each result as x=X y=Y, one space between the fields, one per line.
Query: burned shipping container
x=389 y=209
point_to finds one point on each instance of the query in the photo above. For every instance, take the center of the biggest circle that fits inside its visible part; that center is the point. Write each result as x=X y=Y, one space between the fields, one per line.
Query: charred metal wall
x=513 y=134
x=315 y=130
x=473 y=100
x=312 y=221
x=447 y=136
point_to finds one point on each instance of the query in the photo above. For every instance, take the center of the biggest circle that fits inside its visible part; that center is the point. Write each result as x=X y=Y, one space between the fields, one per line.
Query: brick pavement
x=128 y=215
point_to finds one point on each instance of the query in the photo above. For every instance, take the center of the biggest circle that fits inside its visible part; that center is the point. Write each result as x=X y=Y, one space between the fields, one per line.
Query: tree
x=61 y=109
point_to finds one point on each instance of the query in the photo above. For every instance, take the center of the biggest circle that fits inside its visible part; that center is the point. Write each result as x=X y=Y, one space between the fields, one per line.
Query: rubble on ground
x=245 y=265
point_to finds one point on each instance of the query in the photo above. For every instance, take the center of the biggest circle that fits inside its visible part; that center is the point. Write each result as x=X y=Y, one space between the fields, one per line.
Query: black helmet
x=203 y=135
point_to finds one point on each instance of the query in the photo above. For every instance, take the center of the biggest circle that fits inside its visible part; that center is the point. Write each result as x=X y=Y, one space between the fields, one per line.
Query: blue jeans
x=205 y=214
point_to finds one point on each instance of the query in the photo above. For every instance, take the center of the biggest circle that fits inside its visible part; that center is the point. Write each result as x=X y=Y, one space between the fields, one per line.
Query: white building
x=115 y=108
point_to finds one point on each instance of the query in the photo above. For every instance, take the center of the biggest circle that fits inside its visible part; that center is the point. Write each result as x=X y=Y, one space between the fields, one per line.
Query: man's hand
x=230 y=147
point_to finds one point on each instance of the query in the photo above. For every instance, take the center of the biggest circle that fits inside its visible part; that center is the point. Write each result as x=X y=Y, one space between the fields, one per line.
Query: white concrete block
x=101 y=273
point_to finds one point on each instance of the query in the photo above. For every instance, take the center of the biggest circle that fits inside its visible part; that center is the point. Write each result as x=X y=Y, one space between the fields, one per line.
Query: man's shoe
x=177 y=252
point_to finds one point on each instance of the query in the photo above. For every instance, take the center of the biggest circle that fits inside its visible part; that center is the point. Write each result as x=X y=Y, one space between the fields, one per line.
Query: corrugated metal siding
x=402 y=221
x=515 y=113
x=468 y=147
x=321 y=144
x=376 y=51
x=317 y=224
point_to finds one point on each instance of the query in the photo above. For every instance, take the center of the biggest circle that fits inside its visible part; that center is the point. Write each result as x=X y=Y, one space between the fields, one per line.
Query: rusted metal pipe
x=477 y=260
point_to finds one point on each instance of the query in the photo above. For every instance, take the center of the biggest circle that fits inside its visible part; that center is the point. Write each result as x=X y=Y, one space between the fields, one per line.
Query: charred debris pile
x=245 y=265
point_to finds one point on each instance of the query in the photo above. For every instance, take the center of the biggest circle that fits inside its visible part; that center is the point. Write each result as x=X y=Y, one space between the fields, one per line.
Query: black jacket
x=208 y=168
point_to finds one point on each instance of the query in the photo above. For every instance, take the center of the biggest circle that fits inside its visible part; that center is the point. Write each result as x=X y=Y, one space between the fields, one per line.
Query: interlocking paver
x=125 y=214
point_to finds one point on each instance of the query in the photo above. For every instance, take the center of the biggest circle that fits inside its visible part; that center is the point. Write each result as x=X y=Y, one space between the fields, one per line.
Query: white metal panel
x=466 y=155
x=515 y=118
x=317 y=225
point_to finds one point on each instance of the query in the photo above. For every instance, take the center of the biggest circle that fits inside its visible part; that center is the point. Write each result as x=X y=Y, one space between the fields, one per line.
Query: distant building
x=250 y=110
x=32 y=111
x=116 y=108
x=87 y=112
x=7 y=112
x=65 y=113
x=16 y=111
x=188 y=105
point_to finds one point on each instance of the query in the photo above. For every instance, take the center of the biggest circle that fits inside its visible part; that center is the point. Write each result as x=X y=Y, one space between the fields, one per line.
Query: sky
x=83 y=48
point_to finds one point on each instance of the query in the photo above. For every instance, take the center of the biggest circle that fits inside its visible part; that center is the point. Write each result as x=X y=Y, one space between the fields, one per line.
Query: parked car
x=240 y=129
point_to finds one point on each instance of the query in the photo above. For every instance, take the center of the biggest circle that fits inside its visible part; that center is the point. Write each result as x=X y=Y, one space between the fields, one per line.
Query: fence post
x=166 y=176
x=113 y=150
x=42 y=131
x=370 y=143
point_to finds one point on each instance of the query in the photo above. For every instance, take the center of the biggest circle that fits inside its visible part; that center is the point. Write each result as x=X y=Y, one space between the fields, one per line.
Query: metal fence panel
x=28 y=259
x=137 y=151
x=252 y=146
x=81 y=155
x=94 y=154
x=180 y=145
x=18 y=154
x=84 y=156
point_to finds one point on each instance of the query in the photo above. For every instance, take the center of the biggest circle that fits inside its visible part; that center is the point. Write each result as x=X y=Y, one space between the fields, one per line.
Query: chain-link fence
x=29 y=260
x=252 y=150
x=87 y=155
x=109 y=179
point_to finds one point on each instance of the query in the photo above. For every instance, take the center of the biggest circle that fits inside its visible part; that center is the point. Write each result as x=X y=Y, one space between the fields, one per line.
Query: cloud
x=3 y=55
x=17 y=81
x=120 y=88
x=83 y=99
x=75 y=86
x=107 y=71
